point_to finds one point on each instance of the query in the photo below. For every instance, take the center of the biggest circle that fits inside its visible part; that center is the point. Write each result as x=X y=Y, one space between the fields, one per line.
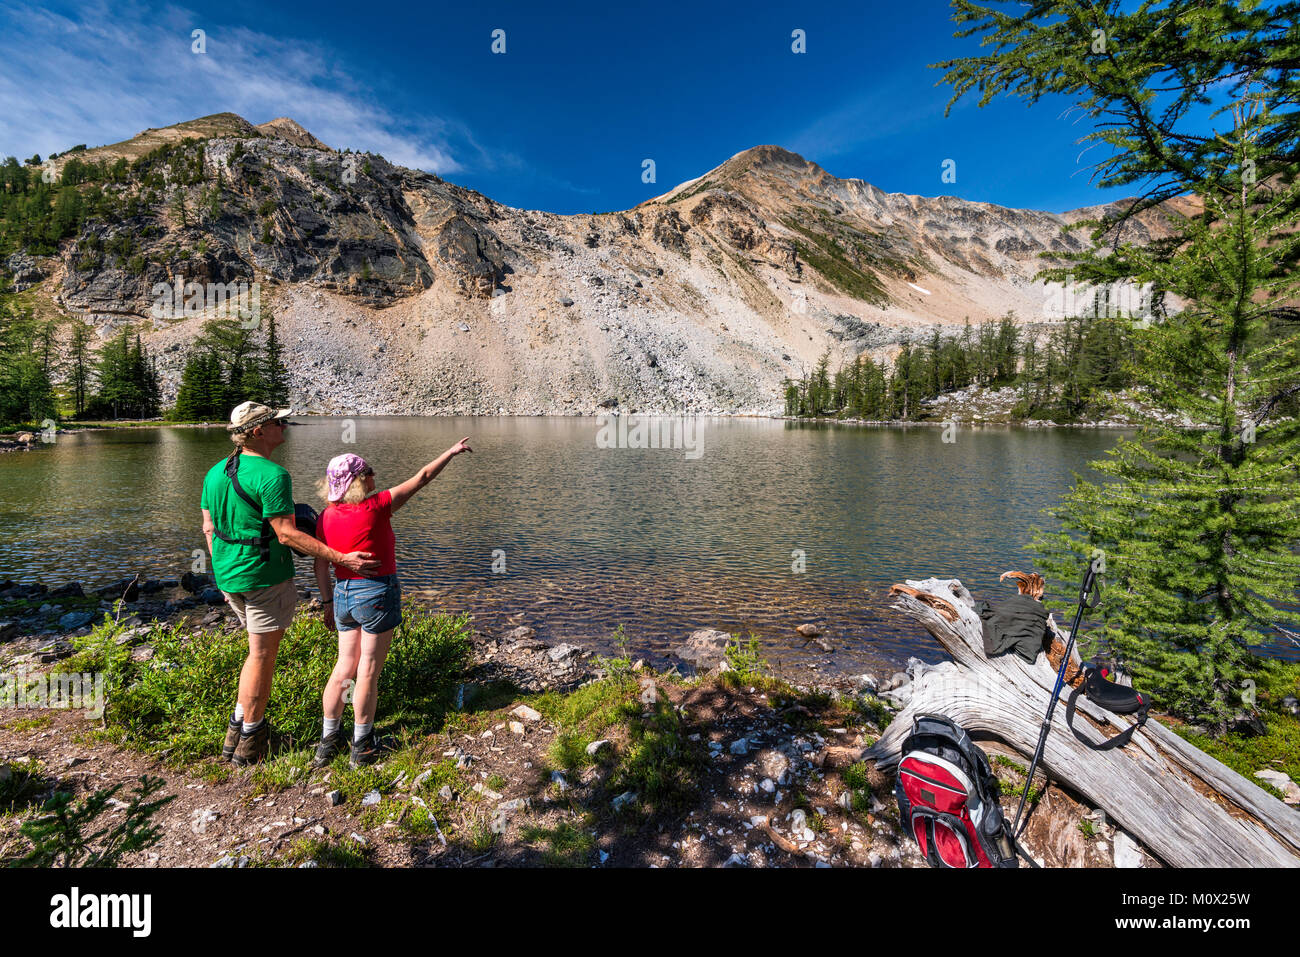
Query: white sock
x=239 y=712
x=331 y=725
x=361 y=731
x=250 y=728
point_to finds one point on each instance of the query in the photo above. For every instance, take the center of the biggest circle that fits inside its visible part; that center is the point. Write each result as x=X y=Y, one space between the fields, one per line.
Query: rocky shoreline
x=26 y=440
x=43 y=621
x=35 y=612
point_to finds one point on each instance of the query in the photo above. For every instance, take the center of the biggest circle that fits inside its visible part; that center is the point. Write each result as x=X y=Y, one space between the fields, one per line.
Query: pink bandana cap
x=341 y=472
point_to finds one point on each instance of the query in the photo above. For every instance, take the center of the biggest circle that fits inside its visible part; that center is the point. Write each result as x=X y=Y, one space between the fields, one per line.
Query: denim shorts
x=372 y=604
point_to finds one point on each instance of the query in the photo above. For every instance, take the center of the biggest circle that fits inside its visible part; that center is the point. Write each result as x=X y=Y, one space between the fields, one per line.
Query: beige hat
x=249 y=415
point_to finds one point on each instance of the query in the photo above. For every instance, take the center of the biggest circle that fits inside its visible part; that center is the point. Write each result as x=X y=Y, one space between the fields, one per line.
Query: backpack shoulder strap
x=263 y=541
x=232 y=473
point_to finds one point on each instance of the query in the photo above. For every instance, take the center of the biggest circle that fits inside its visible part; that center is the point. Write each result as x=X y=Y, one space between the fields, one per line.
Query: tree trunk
x=1188 y=809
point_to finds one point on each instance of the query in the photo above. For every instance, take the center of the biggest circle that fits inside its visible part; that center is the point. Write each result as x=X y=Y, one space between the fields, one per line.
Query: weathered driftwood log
x=1187 y=808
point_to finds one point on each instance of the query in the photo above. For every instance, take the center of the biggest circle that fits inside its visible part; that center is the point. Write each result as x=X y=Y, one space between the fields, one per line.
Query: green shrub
x=426 y=662
x=748 y=666
x=873 y=709
x=181 y=700
x=620 y=665
x=855 y=777
x=21 y=785
x=63 y=837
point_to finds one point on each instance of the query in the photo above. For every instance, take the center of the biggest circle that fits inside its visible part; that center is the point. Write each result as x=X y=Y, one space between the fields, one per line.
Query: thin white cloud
x=108 y=72
x=884 y=112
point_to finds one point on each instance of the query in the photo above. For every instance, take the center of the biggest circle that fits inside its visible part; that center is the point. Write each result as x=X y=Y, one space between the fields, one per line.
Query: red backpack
x=948 y=798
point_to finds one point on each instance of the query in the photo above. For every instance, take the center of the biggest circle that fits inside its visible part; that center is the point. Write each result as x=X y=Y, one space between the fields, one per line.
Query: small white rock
x=1127 y=852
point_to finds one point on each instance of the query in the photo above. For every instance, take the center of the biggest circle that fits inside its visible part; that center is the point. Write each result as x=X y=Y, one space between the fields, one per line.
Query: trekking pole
x=1088 y=579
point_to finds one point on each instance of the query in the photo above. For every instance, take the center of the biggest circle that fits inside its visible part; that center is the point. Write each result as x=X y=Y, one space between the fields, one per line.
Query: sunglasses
x=282 y=423
x=367 y=471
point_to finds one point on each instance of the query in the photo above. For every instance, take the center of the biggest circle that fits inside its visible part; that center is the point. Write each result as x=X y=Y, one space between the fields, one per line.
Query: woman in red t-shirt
x=364 y=609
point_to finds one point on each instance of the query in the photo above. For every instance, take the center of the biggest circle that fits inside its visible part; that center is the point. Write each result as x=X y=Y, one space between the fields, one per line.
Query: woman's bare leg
x=345 y=670
x=374 y=651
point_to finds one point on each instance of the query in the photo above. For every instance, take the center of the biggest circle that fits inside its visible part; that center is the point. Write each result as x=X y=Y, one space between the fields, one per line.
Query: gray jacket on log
x=1018 y=624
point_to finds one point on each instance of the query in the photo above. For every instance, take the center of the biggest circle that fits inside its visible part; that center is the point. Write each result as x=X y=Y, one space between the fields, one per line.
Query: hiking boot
x=365 y=751
x=233 y=731
x=253 y=747
x=336 y=743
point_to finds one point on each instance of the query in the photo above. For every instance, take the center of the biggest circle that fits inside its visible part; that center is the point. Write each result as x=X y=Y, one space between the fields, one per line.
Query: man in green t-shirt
x=249 y=542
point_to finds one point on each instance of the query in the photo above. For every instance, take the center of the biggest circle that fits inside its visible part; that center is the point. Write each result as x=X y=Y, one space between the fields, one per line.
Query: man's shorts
x=371 y=604
x=265 y=609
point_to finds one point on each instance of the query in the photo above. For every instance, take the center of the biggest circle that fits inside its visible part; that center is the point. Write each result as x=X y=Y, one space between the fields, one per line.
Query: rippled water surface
x=594 y=537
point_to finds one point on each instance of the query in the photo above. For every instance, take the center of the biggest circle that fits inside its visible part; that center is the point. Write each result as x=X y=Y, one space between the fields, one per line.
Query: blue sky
x=564 y=119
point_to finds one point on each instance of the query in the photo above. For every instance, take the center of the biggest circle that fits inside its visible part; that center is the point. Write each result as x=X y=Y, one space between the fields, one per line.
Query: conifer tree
x=79 y=365
x=26 y=395
x=113 y=369
x=1196 y=520
x=275 y=375
x=233 y=346
x=187 y=398
x=792 y=399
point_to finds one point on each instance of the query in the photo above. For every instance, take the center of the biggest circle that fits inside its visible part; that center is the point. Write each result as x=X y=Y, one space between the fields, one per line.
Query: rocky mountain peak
x=285 y=128
x=758 y=157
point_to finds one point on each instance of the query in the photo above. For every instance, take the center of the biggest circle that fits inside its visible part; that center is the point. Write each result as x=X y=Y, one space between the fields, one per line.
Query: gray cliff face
x=398 y=292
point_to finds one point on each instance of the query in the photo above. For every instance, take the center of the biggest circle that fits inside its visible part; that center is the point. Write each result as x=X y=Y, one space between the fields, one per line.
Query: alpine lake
x=572 y=526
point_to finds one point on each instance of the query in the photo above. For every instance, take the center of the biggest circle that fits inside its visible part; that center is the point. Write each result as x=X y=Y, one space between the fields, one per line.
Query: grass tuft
x=327 y=853
x=567 y=844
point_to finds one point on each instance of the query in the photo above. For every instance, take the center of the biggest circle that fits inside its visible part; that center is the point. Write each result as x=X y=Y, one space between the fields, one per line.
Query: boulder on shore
x=704 y=648
x=195 y=583
x=76 y=619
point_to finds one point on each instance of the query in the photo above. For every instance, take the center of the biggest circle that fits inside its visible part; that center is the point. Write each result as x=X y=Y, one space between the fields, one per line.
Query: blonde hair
x=356 y=491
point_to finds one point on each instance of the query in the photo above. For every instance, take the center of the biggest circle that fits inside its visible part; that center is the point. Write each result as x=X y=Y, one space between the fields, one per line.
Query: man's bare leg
x=255 y=678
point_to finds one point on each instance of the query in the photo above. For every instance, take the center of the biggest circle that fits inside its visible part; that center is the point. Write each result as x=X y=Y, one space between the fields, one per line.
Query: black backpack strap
x=1119 y=740
x=931 y=853
x=262 y=542
x=236 y=541
x=232 y=473
x=1025 y=854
